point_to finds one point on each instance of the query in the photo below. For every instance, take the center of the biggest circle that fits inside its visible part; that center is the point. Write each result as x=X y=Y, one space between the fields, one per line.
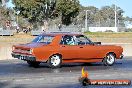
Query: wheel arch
x=55 y=54
x=111 y=52
x=105 y=62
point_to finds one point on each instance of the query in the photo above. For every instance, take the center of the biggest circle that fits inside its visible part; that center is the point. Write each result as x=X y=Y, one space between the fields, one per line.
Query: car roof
x=62 y=33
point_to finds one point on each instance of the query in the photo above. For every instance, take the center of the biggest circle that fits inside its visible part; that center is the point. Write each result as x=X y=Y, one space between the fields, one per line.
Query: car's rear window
x=46 y=39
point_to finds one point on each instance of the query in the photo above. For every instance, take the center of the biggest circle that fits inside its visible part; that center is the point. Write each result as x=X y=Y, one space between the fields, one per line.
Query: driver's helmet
x=70 y=40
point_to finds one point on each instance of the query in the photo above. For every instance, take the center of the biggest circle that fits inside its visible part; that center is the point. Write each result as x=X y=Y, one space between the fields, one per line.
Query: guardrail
x=6 y=33
x=36 y=32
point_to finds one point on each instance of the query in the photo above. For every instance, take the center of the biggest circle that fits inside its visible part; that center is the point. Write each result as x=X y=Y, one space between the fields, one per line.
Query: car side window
x=67 y=40
x=44 y=39
x=82 y=40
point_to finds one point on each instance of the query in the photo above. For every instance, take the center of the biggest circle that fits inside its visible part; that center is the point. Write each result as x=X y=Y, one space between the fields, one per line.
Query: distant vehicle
x=56 y=48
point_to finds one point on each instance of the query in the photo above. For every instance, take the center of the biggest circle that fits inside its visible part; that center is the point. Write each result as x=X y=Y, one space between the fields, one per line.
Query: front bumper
x=24 y=57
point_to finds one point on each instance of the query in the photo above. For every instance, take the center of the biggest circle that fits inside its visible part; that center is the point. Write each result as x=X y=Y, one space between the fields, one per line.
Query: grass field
x=109 y=35
x=123 y=37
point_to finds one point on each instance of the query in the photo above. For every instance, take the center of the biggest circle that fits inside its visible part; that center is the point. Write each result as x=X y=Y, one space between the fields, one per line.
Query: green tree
x=35 y=10
x=128 y=19
x=90 y=15
x=108 y=13
x=5 y=15
x=92 y=12
x=2 y=2
x=98 y=18
x=68 y=9
x=101 y=17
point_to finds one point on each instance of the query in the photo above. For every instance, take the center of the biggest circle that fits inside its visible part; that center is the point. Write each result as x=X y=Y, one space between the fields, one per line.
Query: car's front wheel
x=109 y=60
x=55 y=61
x=33 y=63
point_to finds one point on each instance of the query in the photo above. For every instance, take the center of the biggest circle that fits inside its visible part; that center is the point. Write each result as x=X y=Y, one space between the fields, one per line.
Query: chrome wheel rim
x=55 y=60
x=110 y=59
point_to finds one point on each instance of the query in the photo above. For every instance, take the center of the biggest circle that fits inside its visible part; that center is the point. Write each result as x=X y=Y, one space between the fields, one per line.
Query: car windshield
x=46 y=39
x=83 y=40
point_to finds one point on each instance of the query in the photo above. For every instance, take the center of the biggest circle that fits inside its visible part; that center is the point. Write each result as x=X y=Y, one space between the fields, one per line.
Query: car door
x=68 y=48
x=86 y=48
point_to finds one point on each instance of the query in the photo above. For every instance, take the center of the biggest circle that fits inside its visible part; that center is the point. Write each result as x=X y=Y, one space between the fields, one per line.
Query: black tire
x=55 y=61
x=109 y=60
x=33 y=64
x=85 y=81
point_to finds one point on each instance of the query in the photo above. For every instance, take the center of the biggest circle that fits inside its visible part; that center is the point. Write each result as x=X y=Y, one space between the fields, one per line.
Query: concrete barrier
x=5 y=53
x=6 y=33
x=36 y=33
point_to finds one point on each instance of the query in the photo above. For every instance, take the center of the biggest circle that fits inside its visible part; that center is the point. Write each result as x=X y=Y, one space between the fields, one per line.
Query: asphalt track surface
x=17 y=74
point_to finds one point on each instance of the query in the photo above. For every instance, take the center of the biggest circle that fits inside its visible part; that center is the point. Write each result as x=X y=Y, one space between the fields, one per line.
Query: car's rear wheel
x=33 y=64
x=55 y=61
x=109 y=60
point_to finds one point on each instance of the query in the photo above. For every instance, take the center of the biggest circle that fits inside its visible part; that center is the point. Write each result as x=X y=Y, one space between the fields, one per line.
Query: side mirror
x=97 y=43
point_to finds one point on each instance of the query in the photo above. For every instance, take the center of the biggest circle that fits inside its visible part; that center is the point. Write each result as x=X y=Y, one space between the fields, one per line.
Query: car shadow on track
x=7 y=84
x=70 y=65
x=92 y=86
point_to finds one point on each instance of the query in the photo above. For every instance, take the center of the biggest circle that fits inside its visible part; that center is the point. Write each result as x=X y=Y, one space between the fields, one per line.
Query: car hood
x=29 y=45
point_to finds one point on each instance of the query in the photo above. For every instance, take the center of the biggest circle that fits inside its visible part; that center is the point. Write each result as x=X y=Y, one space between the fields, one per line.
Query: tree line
x=63 y=12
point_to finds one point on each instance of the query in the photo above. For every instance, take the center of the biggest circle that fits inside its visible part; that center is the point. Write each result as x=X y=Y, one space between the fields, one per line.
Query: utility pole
x=115 y=17
x=3 y=3
x=17 y=18
x=116 y=28
x=86 y=19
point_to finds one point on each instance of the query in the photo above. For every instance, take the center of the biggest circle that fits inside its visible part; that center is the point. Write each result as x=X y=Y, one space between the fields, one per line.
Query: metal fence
x=6 y=32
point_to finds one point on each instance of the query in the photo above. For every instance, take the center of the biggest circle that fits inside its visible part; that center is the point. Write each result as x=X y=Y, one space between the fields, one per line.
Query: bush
x=129 y=30
x=108 y=31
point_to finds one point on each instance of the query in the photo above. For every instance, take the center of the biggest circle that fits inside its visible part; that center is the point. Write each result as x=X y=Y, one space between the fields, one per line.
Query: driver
x=69 y=40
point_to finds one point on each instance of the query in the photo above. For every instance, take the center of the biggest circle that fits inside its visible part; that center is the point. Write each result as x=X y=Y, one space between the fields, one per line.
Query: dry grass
x=123 y=37
x=103 y=37
x=109 y=35
x=16 y=39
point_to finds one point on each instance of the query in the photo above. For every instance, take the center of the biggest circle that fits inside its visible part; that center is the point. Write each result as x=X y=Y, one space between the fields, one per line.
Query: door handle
x=63 y=46
x=81 y=47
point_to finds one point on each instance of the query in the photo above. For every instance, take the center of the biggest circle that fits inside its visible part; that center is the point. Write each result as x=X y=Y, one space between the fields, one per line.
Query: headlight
x=31 y=51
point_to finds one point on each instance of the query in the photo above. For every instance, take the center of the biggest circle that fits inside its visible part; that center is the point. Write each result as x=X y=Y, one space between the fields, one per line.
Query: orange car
x=64 y=47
